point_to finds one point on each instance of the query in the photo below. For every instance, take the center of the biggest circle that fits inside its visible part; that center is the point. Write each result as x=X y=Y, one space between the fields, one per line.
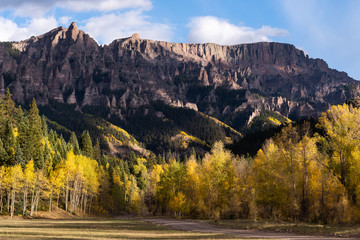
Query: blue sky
x=327 y=29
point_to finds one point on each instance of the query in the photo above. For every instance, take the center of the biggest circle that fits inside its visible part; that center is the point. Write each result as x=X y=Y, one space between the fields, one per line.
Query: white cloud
x=38 y=8
x=64 y=20
x=109 y=27
x=121 y=18
x=104 y=5
x=216 y=30
x=7 y=29
x=10 y=31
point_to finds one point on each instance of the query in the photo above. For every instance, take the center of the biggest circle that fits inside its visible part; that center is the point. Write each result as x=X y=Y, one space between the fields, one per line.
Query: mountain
x=125 y=80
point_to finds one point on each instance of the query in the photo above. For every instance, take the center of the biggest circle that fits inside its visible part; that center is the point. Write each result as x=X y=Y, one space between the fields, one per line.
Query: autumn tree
x=341 y=142
x=28 y=182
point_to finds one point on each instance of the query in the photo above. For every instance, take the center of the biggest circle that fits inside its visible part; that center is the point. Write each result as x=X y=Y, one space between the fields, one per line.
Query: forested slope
x=300 y=174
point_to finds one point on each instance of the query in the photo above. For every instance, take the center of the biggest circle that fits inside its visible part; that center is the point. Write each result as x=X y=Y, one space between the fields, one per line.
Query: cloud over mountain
x=221 y=31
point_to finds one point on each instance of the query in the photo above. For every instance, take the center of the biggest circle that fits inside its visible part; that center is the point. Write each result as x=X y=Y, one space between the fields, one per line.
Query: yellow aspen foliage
x=82 y=183
x=217 y=178
x=192 y=182
x=141 y=172
x=134 y=197
x=2 y=186
x=14 y=181
x=154 y=178
x=270 y=184
x=178 y=204
x=29 y=180
x=342 y=127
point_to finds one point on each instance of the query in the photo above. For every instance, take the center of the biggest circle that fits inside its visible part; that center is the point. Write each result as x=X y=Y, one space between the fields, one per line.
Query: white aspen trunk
x=57 y=201
x=90 y=204
x=1 y=201
x=81 y=201
x=37 y=200
x=1 y=198
x=12 y=203
x=85 y=201
x=66 y=194
x=25 y=198
x=8 y=201
x=77 y=196
x=51 y=193
x=33 y=196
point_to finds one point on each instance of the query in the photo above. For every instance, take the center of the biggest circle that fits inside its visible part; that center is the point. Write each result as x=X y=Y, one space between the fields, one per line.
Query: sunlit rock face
x=68 y=66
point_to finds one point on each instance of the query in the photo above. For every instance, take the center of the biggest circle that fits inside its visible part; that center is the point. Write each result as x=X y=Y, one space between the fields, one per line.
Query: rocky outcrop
x=228 y=82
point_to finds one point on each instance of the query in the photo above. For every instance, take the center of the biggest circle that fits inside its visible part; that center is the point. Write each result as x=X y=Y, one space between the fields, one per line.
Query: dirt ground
x=195 y=226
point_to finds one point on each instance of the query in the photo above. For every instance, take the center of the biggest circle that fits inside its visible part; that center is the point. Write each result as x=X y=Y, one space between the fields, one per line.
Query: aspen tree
x=29 y=180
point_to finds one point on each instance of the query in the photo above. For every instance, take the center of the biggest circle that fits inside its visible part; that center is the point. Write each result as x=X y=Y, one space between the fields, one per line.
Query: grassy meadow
x=92 y=229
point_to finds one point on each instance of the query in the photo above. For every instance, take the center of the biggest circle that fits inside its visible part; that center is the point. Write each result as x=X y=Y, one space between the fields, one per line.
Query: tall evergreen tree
x=10 y=144
x=61 y=146
x=74 y=144
x=3 y=154
x=19 y=156
x=97 y=151
x=132 y=162
x=48 y=163
x=86 y=144
x=10 y=107
x=44 y=126
x=52 y=138
x=32 y=144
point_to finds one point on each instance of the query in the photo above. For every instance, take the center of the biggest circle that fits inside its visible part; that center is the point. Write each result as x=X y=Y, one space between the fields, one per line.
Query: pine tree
x=19 y=116
x=151 y=161
x=31 y=144
x=74 y=144
x=44 y=126
x=3 y=154
x=132 y=162
x=61 y=146
x=86 y=144
x=10 y=144
x=97 y=151
x=52 y=138
x=19 y=156
x=48 y=160
x=10 y=107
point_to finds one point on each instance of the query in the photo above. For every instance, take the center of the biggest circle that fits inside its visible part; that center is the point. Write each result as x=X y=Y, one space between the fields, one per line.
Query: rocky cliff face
x=233 y=83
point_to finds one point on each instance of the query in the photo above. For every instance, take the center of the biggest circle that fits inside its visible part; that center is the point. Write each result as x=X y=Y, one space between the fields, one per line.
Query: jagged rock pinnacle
x=74 y=31
x=135 y=36
x=73 y=26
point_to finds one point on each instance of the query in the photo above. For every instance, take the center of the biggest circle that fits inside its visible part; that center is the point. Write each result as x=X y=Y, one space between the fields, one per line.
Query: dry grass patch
x=297 y=228
x=92 y=229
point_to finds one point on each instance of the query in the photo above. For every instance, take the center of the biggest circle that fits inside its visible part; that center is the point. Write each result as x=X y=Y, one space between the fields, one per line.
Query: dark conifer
x=19 y=156
x=97 y=151
x=74 y=144
x=86 y=144
x=33 y=147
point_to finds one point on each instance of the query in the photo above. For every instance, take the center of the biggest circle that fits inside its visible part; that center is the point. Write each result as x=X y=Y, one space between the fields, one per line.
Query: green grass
x=93 y=229
x=297 y=228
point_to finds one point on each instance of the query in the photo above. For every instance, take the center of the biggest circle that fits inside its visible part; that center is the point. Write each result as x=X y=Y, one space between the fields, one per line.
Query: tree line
x=297 y=175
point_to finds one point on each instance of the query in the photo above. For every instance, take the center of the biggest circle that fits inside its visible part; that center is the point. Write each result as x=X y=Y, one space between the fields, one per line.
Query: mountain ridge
x=232 y=83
